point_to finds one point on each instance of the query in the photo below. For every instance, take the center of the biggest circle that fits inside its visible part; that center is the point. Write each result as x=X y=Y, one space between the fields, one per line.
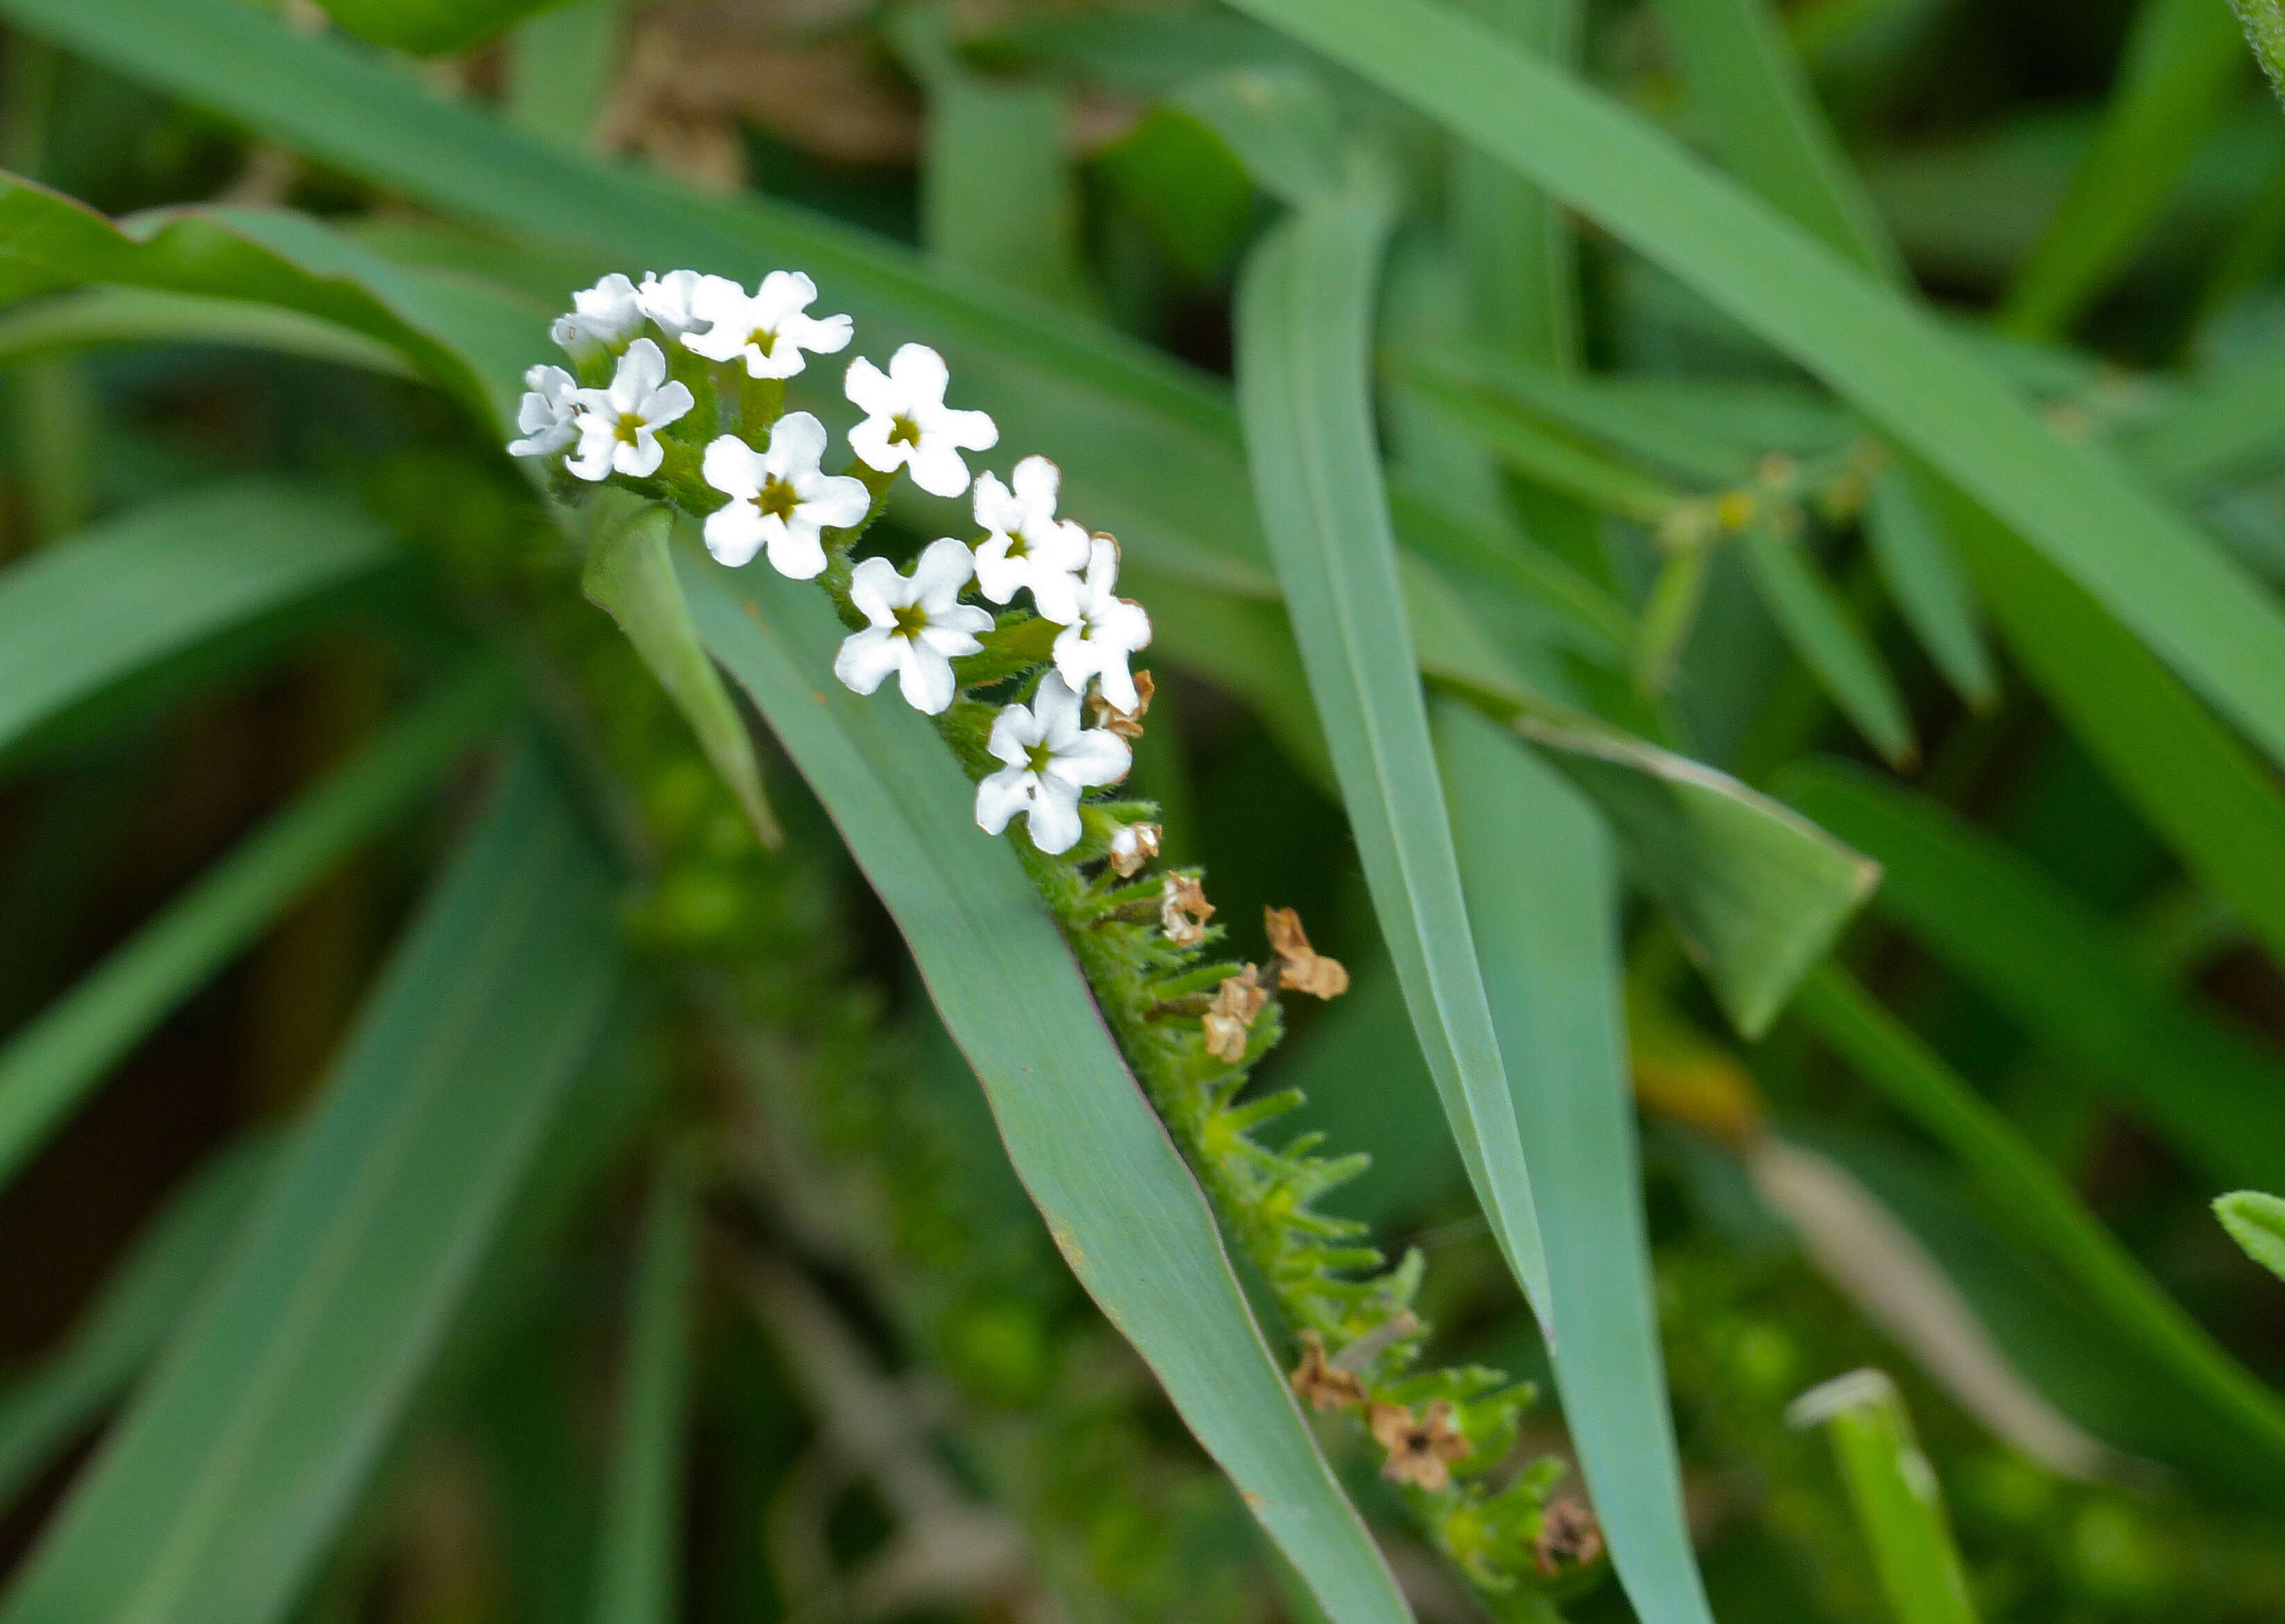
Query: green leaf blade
x=2256 y=1222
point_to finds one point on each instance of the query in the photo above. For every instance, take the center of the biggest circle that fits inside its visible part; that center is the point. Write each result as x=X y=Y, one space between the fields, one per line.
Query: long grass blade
x=228 y=1478
x=98 y=607
x=2037 y=1202
x=98 y=317
x=1305 y=313
x=2198 y=610
x=1542 y=888
x=1921 y=567
x=48 y=1068
x=1125 y=1212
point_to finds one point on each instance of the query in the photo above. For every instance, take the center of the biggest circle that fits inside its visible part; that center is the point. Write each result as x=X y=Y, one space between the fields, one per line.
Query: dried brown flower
x=1320 y=1383
x=1420 y=1450
x=1183 y=910
x=1134 y=844
x=1567 y=1532
x=1125 y=723
x=1229 y=1018
x=1300 y=965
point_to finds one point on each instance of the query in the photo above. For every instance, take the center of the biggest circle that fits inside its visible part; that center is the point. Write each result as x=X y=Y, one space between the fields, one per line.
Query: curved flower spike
x=907 y=425
x=1051 y=761
x=780 y=499
x=602 y=319
x=768 y=331
x=618 y=426
x=549 y=415
x=670 y=301
x=1028 y=547
x=1104 y=630
x=919 y=625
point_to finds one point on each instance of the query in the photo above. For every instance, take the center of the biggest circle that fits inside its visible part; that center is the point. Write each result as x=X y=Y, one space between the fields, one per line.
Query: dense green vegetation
x=1667 y=1005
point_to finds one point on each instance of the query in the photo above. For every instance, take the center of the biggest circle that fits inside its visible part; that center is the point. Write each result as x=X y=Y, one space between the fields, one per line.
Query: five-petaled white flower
x=1028 y=547
x=779 y=499
x=770 y=330
x=618 y=426
x=919 y=625
x=671 y=301
x=549 y=415
x=907 y=425
x=1105 y=631
x=1051 y=760
x=603 y=317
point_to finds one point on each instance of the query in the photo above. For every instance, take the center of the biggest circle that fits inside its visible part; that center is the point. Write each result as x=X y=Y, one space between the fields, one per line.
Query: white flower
x=1051 y=760
x=618 y=426
x=1106 y=629
x=603 y=317
x=671 y=301
x=907 y=425
x=779 y=499
x=1028 y=547
x=549 y=413
x=769 y=330
x=919 y=625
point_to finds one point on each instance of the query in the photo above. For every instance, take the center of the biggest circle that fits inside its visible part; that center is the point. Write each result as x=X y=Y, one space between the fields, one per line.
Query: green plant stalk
x=1326 y=1281
x=2264 y=22
x=1894 y=1490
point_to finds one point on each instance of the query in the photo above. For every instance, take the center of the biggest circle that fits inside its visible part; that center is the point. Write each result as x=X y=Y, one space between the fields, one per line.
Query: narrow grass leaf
x=2037 y=1203
x=1588 y=405
x=1122 y=1206
x=230 y=1476
x=49 y=1067
x=561 y=65
x=1823 y=631
x=630 y=574
x=1542 y=889
x=2184 y=61
x=1748 y=90
x=2198 y=610
x=1924 y=577
x=2256 y=1222
x=639 y=1555
x=1894 y=1490
x=2050 y=961
x=1304 y=344
x=99 y=317
x=146 y=1295
x=89 y=610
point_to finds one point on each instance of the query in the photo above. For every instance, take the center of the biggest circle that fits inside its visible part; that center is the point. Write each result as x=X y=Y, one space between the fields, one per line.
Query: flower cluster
x=619 y=415
x=676 y=390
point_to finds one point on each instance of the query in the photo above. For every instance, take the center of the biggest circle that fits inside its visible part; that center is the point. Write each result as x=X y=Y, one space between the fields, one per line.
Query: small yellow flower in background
x=1230 y=1016
x=1301 y=968
x=1183 y=910
x=1421 y=1449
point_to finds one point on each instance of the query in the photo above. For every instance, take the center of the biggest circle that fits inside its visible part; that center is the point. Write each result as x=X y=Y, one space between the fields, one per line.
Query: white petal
x=1001 y=797
x=639 y=460
x=1054 y=822
x=783 y=294
x=1055 y=593
x=824 y=336
x=1102 y=566
x=597 y=443
x=958 y=638
x=798 y=440
x=878 y=590
x=1118 y=681
x=1064 y=547
x=1125 y=624
x=834 y=503
x=945 y=565
x=920 y=375
x=972 y=431
x=784 y=360
x=923 y=676
x=667 y=403
x=1057 y=704
x=640 y=370
x=869 y=440
x=872 y=391
x=997 y=576
x=733 y=467
x=725 y=342
x=796 y=549
x=937 y=467
x=734 y=534
x=1098 y=757
x=1014 y=731
x=866 y=658
x=997 y=508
